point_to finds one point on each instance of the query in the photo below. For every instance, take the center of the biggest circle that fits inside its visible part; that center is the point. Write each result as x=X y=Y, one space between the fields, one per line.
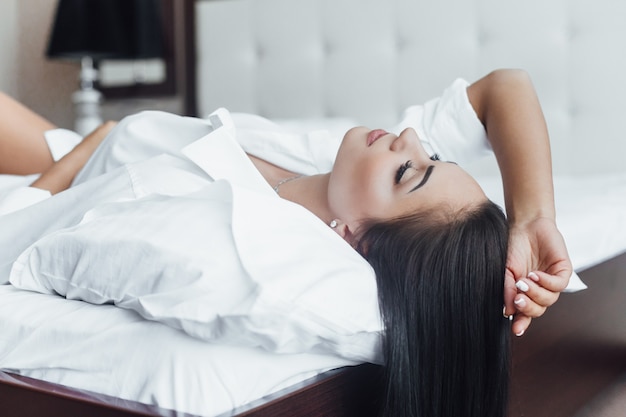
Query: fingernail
x=522 y=286
x=533 y=276
x=520 y=333
x=520 y=302
x=510 y=316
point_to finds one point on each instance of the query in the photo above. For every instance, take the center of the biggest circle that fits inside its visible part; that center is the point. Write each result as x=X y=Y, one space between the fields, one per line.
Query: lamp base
x=87 y=109
x=87 y=99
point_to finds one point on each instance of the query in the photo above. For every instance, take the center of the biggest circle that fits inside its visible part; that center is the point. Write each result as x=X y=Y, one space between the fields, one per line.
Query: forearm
x=506 y=103
x=59 y=176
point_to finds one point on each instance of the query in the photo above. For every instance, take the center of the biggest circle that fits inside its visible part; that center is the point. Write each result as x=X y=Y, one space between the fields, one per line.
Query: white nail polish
x=533 y=276
x=519 y=334
x=520 y=302
x=522 y=286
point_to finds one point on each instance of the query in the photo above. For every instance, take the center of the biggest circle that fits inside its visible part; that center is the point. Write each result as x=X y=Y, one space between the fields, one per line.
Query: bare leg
x=60 y=175
x=23 y=148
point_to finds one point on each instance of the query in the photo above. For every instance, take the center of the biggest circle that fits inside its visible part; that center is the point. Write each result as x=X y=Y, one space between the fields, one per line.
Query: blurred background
x=46 y=85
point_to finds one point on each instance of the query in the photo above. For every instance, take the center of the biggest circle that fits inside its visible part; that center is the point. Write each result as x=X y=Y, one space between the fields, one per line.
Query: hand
x=538 y=258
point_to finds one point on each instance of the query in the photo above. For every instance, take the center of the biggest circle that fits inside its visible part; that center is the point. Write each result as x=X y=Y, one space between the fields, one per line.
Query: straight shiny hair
x=446 y=344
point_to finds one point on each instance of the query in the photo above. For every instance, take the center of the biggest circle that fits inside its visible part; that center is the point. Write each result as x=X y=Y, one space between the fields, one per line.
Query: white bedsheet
x=113 y=351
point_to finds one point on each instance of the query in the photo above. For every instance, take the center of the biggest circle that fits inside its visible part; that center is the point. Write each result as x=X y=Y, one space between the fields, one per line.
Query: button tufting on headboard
x=369 y=59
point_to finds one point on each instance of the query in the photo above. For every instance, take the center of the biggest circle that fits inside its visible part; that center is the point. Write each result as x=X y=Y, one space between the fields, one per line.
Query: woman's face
x=378 y=175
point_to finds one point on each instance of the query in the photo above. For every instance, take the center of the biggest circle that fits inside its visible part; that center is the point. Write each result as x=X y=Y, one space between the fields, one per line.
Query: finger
x=528 y=307
x=520 y=324
x=510 y=291
x=554 y=283
x=536 y=292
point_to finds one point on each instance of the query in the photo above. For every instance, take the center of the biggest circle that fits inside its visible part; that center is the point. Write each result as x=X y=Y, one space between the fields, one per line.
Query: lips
x=374 y=135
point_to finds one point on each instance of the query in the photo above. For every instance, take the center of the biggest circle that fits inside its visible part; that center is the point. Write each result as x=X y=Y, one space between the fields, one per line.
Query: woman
x=438 y=246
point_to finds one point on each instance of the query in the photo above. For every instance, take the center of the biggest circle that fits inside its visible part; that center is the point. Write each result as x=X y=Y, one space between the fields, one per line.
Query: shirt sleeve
x=449 y=126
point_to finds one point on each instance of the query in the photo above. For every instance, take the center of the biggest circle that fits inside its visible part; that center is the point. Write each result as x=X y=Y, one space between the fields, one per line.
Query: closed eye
x=401 y=170
x=408 y=164
x=435 y=157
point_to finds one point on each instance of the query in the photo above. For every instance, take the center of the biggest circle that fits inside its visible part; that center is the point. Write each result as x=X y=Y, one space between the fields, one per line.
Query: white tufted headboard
x=369 y=59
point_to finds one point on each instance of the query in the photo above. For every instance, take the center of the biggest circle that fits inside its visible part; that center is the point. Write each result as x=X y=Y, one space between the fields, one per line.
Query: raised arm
x=506 y=103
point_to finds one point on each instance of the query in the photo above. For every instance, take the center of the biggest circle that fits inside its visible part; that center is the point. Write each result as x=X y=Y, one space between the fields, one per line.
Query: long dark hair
x=440 y=278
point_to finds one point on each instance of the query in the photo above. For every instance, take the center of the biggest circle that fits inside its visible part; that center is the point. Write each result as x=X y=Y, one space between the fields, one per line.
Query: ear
x=344 y=230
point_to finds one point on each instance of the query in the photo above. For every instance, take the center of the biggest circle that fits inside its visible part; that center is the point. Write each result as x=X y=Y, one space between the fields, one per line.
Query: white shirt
x=194 y=237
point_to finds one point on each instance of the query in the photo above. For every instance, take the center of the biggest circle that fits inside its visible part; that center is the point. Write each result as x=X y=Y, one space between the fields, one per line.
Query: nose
x=408 y=139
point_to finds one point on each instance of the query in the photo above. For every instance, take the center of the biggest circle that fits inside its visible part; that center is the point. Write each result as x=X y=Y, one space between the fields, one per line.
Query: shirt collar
x=221 y=157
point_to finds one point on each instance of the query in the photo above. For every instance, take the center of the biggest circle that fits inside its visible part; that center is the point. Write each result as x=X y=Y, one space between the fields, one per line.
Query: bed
x=568 y=356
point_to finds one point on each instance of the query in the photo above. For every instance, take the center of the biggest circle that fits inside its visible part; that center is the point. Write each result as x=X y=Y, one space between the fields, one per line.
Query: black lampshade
x=107 y=29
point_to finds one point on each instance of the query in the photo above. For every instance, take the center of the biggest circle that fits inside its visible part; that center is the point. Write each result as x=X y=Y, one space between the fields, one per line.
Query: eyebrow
x=429 y=171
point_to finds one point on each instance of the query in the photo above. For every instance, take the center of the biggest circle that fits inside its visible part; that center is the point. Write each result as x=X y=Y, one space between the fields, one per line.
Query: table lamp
x=93 y=30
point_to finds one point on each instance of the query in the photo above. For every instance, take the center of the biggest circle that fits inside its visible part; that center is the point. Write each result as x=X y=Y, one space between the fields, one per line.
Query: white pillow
x=295 y=287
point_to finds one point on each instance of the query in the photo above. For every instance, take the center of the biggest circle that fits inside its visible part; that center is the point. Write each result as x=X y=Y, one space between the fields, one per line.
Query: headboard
x=369 y=59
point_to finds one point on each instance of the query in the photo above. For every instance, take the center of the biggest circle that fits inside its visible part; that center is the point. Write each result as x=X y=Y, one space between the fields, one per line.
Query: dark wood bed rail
x=345 y=392
x=27 y=397
x=576 y=350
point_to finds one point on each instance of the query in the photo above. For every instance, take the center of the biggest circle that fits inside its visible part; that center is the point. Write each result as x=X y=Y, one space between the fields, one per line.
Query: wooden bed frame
x=570 y=355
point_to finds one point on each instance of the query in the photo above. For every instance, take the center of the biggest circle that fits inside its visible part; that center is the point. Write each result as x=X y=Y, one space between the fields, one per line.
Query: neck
x=310 y=192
